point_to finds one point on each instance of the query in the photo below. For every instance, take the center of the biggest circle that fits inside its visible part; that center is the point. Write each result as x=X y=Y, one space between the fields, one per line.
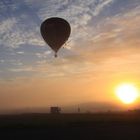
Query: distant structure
x=55 y=110
x=79 y=110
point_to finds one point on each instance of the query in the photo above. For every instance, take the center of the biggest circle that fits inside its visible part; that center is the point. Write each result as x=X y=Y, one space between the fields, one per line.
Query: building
x=55 y=110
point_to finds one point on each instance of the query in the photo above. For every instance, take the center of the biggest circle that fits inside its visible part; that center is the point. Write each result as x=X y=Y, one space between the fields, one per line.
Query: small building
x=79 y=110
x=55 y=110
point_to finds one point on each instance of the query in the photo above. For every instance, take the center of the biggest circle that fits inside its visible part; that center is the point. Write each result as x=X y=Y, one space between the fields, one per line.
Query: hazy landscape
x=70 y=69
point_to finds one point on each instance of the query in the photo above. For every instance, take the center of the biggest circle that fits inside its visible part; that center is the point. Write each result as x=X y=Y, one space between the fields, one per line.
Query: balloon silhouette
x=55 y=31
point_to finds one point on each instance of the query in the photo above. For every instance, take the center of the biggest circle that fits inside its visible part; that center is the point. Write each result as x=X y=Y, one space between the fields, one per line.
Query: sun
x=127 y=93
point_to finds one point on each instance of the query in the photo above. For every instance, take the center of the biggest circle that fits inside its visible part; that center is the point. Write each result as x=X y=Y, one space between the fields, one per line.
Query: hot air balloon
x=55 y=31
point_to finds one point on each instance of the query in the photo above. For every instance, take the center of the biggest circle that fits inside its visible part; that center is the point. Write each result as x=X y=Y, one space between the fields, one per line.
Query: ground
x=112 y=126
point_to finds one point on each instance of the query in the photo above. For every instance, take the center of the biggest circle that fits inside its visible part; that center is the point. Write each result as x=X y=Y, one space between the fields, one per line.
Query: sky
x=101 y=52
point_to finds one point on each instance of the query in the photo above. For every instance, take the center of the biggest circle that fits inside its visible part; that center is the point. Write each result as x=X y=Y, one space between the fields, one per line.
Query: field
x=114 y=126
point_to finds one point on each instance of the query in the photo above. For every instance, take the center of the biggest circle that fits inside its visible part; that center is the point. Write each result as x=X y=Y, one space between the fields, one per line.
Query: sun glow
x=127 y=93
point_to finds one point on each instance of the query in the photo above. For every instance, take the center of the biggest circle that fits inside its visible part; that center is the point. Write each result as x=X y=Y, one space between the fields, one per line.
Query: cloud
x=15 y=37
x=2 y=61
x=101 y=5
x=14 y=30
x=22 y=69
x=44 y=54
x=20 y=52
x=91 y=45
x=78 y=13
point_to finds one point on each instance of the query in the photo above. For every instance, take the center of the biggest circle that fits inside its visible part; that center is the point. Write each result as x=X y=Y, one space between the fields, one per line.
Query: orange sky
x=103 y=51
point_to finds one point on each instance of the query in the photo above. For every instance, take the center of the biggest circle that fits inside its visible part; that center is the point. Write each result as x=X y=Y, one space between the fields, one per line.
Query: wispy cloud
x=79 y=13
x=96 y=37
x=20 y=52
x=101 y=5
x=14 y=30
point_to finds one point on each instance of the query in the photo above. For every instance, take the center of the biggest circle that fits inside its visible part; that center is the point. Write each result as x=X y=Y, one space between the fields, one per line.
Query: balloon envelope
x=55 y=31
